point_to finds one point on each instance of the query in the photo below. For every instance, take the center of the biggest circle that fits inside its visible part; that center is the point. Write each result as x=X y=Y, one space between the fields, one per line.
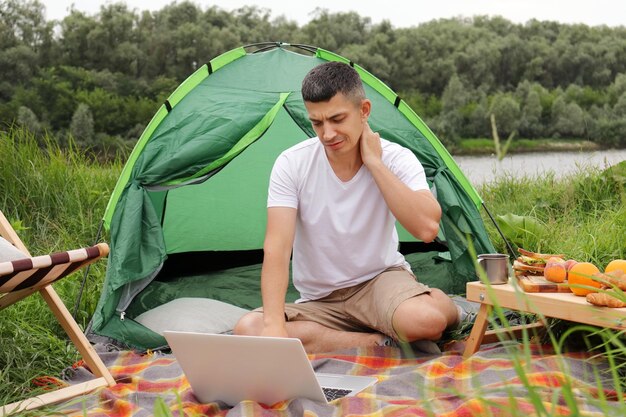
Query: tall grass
x=56 y=197
x=584 y=215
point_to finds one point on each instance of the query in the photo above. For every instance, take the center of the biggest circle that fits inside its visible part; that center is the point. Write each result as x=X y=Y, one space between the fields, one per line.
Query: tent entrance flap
x=206 y=216
x=250 y=137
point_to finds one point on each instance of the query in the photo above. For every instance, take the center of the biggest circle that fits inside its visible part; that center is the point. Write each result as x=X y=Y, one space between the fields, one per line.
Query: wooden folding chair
x=21 y=278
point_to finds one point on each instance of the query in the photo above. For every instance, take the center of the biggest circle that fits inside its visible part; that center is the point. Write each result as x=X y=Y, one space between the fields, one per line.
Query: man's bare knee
x=420 y=318
x=249 y=325
x=430 y=326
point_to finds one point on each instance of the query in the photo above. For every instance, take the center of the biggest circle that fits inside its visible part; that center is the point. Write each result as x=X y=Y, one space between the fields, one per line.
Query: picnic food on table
x=533 y=263
x=605 y=299
x=552 y=267
x=616 y=265
x=555 y=270
x=581 y=274
x=543 y=272
x=615 y=280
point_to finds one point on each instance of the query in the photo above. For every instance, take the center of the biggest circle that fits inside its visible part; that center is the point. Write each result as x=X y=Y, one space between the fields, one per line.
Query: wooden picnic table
x=565 y=306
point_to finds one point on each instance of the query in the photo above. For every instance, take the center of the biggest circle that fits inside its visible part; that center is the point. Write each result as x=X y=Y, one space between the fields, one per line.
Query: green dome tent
x=187 y=216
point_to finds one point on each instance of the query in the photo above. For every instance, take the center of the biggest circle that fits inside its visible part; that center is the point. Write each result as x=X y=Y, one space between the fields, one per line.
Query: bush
x=507 y=112
x=28 y=120
x=82 y=126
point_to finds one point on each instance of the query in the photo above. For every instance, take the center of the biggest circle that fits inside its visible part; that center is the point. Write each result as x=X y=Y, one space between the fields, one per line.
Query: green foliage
x=583 y=214
x=507 y=113
x=424 y=106
x=451 y=120
x=541 y=78
x=521 y=230
x=568 y=119
x=81 y=127
x=28 y=119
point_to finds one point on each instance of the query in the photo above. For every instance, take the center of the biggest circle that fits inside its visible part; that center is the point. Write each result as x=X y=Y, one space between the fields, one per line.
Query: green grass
x=485 y=146
x=584 y=215
x=56 y=197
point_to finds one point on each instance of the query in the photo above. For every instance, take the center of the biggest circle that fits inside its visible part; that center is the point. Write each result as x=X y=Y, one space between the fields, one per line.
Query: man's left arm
x=418 y=211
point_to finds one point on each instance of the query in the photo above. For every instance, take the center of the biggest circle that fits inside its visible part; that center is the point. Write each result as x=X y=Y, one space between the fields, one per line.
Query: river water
x=484 y=169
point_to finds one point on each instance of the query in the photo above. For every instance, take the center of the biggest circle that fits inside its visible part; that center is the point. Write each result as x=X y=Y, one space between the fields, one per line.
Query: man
x=334 y=200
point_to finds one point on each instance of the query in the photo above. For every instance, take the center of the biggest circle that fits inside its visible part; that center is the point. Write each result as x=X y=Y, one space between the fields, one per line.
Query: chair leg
x=90 y=356
x=56 y=396
x=478 y=331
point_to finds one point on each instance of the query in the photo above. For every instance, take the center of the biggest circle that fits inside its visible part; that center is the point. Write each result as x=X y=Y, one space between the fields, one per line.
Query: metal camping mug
x=496 y=266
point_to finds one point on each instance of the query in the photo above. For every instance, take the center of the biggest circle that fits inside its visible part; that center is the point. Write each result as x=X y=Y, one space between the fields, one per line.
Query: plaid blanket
x=498 y=380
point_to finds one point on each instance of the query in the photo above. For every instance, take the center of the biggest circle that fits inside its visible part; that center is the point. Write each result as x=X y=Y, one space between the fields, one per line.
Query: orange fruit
x=581 y=274
x=617 y=264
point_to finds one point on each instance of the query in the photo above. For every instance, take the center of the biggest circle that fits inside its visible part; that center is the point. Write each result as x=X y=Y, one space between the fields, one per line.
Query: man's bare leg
x=425 y=317
x=315 y=337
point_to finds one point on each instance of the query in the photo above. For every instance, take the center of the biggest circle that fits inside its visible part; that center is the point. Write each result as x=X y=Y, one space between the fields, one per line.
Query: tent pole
x=85 y=273
x=508 y=245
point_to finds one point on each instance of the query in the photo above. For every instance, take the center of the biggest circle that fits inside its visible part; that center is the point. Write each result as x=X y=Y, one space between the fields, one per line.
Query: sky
x=401 y=13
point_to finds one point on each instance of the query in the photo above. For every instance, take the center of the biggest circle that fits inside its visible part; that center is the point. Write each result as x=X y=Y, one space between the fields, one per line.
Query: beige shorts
x=366 y=307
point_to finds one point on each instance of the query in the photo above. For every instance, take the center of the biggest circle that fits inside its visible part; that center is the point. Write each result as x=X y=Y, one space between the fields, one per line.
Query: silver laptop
x=267 y=370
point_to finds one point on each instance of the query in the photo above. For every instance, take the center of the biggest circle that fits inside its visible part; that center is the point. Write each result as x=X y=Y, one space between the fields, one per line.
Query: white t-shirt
x=345 y=233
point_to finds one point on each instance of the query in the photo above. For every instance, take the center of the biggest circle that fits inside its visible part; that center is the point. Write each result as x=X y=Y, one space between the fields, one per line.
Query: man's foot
x=467 y=309
x=425 y=346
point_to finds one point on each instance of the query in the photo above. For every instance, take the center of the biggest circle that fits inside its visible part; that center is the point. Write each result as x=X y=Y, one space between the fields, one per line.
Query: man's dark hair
x=326 y=80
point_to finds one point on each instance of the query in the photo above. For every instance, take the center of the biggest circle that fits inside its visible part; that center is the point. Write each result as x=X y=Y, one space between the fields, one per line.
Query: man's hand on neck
x=371 y=149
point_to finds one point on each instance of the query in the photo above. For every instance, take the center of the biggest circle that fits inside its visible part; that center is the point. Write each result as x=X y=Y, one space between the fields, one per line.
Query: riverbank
x=485 y=146
x=483 y=169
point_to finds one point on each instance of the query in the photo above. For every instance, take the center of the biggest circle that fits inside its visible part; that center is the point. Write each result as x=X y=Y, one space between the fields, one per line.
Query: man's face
x=338 y=123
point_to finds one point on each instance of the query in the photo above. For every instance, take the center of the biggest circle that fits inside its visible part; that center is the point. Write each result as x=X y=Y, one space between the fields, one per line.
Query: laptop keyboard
x=335 y=393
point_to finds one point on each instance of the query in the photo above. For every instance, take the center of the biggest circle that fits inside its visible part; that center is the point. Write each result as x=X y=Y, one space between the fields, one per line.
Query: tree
x=568 y=119
x=530 y=121
x=618 y=87
x=17 y=66
x=334 y=31
x=454 y=98
x=478 y=125
x=23 y=23
x=25 y=38
x=619 y=110
x=507 y=113
x=372 y=62
x=29 y=120
x=81 y=127
x=75 y=48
